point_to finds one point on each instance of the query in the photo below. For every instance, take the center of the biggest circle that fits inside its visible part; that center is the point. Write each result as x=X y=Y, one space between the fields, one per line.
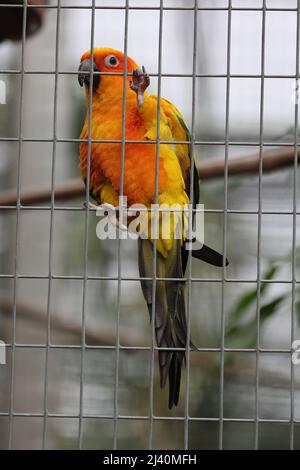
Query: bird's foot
x=109 y=210
x=90 y=205
x=140 y=82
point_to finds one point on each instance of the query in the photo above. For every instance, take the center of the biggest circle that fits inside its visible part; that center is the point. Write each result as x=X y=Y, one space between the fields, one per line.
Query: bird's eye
x=111 y=61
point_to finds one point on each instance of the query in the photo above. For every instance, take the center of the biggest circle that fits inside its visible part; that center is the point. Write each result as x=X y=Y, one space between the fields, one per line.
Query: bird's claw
x=110 y=212
x=90 y=205
x=140 y=82
x=113 y=217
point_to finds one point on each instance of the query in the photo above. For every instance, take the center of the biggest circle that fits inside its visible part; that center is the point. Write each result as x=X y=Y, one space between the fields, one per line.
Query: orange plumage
x=139 y=173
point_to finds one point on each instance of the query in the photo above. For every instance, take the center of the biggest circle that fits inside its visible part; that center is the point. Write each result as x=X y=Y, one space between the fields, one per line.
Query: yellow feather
x=176 y=161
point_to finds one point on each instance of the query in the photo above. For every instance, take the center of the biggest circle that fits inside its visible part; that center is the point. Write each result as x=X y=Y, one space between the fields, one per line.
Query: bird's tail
x=170 y=317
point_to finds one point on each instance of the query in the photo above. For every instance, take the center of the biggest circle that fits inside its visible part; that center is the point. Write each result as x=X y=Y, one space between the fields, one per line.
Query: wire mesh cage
x=78 y=358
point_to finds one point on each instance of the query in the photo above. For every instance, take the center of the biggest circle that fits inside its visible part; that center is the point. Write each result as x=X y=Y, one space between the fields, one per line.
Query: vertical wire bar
x=222 y=355
x=154 y=280
x=17 y=244
x=86 y=228
x=190 y=228
x=296 y=132
x=121 y=194
x=50 y=256
x=260 y=174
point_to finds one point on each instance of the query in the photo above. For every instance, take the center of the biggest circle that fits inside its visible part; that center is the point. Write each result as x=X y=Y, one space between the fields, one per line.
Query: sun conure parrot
x=174 y=167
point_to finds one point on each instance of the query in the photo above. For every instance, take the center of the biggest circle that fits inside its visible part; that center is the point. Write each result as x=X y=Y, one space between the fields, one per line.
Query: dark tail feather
x=174 y=379
x=210 y=256
x=171 y=335
x=170 y=318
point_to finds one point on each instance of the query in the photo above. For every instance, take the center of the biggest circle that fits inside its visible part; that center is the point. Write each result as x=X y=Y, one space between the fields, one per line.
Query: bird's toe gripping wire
x=90 y=205
x=110 y=211
x=139 y=83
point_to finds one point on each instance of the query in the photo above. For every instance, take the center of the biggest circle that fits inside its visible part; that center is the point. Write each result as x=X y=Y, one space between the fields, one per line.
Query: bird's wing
x=175 y=129
x=181 y=133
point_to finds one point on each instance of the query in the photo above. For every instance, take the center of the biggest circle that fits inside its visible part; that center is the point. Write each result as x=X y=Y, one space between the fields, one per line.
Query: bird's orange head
x=107 y=68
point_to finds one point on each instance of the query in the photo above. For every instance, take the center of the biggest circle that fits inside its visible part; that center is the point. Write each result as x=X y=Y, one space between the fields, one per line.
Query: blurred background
x=59 y=372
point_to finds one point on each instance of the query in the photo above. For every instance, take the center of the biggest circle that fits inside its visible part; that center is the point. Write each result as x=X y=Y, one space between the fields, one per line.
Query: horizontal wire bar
x=147 y=142
x=205 y=211
x=153 y=74
x=147 y=8
x=137 y=278
x=142 y=418
x=149 y=348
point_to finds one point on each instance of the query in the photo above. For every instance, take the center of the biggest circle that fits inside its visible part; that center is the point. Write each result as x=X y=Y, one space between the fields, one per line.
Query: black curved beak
x=84 y=73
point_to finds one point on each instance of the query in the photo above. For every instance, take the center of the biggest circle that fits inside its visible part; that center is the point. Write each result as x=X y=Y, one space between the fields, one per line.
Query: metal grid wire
x=121 y=274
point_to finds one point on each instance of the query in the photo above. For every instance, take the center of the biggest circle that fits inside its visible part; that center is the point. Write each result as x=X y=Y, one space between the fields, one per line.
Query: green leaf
x=250 y=297
x=245 y=301
x=268 y=275
x=268 y=309
x=245 y=335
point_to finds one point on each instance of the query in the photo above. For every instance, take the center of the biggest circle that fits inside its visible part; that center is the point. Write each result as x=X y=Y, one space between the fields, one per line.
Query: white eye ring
x=111 y=61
